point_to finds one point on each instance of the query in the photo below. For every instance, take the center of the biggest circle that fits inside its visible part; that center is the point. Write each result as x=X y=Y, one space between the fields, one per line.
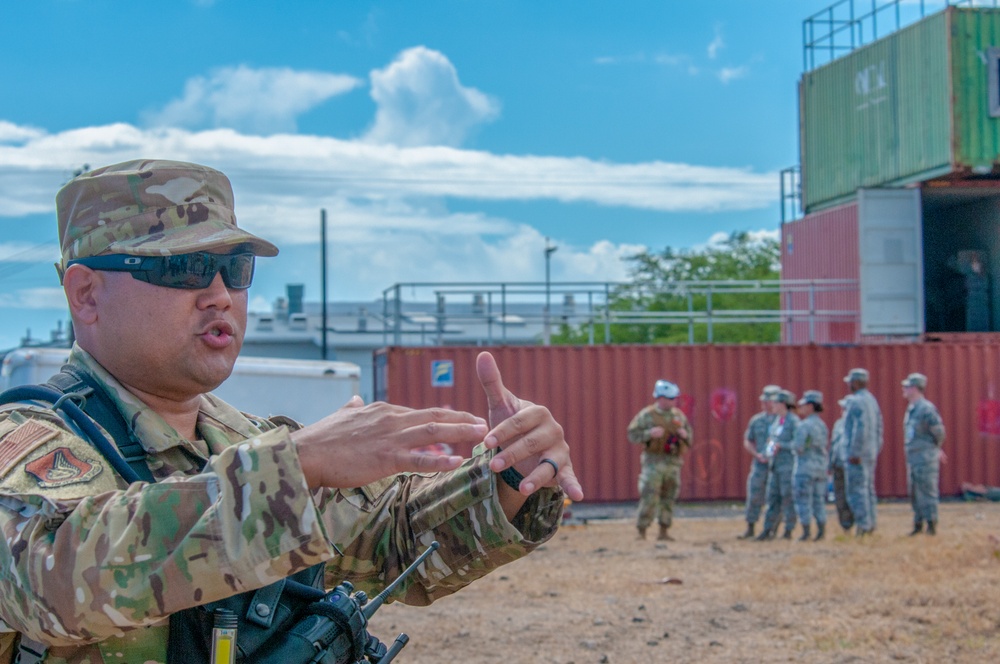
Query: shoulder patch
x=22 y=441
x=60 y=467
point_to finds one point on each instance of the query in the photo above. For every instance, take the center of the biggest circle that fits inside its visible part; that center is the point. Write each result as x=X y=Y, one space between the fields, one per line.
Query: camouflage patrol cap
x=856 y=374
x=769 y=391
x=916 y=380
x=814 y=397
x=150 y=207
x=786 y=397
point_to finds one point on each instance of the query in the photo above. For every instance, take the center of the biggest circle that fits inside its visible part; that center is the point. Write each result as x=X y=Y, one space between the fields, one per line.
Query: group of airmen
x=794 y=453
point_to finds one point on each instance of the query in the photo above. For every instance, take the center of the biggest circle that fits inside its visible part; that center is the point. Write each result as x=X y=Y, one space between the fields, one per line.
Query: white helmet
x=664 y=388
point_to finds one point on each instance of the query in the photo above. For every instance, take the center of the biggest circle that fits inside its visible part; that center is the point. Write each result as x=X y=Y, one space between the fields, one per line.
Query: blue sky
x=446 y=139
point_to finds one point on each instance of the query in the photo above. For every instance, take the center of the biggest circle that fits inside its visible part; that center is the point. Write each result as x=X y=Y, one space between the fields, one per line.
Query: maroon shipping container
x=822 y=245
x=595 y=390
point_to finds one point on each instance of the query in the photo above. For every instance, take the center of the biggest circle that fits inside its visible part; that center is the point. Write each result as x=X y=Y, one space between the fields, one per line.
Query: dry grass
x=595 y=594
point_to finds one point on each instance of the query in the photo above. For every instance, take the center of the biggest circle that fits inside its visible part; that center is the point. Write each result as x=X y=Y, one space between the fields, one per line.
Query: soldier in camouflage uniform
x=811 y=458
x=923 y=437
x=837 y=472
x=93 y=567
x=782 y=463
x=863 y=431
x=755 y=442
x=665 y=434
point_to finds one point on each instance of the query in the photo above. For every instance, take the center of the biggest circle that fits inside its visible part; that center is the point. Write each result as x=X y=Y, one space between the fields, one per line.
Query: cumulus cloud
x=284 y=171
x=717 y=240
x=422 y=102
x=258 y=101
x=13 y=134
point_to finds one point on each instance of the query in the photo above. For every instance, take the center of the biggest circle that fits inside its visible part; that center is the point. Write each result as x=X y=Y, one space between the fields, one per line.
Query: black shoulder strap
x=98 y=405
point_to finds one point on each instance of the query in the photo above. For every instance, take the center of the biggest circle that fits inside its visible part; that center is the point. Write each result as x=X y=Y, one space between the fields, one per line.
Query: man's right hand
x=360 y=444
x=656 y=432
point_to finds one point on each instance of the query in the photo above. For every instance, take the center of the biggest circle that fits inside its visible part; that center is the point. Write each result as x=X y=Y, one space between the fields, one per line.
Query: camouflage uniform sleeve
x=880 y=431
x=750 y=435
x=638 y=428
x=801 y=434
x=935 y=425
x=85 y=558
x=383 y=527
x=853 y=430
x=678 y=413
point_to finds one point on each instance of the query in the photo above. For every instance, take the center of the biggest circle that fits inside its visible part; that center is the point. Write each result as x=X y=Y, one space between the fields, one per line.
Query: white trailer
x=305 y=390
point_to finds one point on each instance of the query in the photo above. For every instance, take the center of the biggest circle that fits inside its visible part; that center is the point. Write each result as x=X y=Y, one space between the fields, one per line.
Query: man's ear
x=81 y=285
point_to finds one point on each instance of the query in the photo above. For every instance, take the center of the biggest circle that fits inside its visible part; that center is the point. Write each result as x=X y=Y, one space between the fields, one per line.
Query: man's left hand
x=527 y=434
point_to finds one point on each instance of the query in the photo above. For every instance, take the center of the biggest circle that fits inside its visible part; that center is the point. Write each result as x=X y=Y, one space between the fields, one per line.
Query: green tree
x=659 y=284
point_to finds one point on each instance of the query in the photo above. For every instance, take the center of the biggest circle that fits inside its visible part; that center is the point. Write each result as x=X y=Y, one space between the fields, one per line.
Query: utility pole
x=322 y=244
x=549 y=250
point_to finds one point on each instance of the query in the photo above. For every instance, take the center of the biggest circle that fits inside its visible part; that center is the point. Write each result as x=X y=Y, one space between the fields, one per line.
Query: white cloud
x=727 y=74
x=26 y=252
x=259 y=101
x=34 y=298
x=717 y=240
x=717 y=44
x=603 y=261
x=12 y=133
x=288 y=173
x=422 y=102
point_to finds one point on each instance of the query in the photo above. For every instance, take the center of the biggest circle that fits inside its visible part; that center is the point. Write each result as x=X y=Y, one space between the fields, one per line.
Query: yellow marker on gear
x=224 y=637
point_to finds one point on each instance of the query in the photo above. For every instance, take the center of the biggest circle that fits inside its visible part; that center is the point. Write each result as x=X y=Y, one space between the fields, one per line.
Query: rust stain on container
x=594 y=391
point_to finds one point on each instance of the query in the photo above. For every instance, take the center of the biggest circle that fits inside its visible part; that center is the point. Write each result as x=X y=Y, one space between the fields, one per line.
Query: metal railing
x=434 y=310
x=849 y=24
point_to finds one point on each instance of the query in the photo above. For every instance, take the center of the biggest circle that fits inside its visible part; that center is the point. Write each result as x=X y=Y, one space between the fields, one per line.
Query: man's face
x=663 y=403
x=910 y=393
x=170 y=342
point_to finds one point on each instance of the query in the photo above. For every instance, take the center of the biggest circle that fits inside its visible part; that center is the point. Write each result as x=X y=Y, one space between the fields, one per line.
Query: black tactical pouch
x=262 y=613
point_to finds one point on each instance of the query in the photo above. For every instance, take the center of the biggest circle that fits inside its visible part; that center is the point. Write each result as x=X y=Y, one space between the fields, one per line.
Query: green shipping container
x=910 y=107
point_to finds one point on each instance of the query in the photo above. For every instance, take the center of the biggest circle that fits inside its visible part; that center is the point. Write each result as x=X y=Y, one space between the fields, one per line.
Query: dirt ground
x=595 y=594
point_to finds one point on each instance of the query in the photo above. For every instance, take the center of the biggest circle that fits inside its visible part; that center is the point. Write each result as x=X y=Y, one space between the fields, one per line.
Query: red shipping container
x=822 y=245
x=594 y=391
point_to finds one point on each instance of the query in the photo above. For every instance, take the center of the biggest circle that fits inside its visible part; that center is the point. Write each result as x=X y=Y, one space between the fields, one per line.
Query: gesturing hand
x=527 y=433
x=359 y=444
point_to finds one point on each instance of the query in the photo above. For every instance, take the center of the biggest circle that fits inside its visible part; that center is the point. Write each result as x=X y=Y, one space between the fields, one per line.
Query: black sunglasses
x=190 y=271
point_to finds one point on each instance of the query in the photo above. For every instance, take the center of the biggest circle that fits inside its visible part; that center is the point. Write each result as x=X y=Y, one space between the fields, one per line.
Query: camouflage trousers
x=810 y=498
x=659 y=485
x=860 y=480
x=756 y=490
x=779 y=499
x=922 y=484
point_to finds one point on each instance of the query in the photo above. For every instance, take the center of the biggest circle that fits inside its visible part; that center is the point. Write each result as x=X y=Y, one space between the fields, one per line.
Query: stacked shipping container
x=907 y=108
